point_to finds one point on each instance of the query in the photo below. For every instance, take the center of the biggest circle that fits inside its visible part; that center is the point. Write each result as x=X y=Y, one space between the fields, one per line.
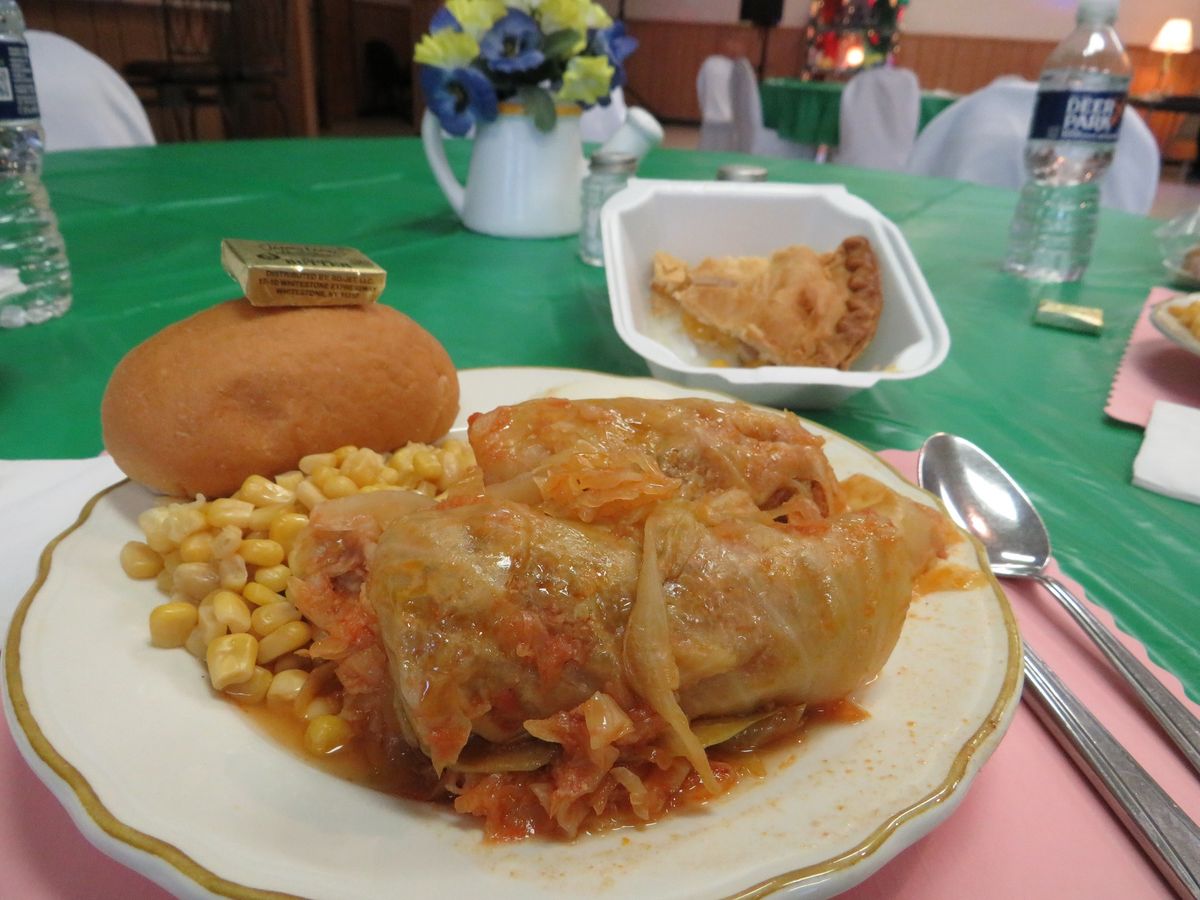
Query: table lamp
x=1174 y=37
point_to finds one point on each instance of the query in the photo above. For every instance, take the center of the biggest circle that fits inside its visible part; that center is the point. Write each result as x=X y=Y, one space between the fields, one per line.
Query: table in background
x=808 y=112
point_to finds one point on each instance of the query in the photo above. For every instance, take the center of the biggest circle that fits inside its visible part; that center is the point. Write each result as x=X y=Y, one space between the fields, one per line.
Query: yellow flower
x=586 y=79
x=578 y=15
x=446 y=50
x=476 y=16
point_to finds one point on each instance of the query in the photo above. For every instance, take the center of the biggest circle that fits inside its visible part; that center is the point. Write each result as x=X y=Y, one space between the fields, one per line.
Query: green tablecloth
x=143 y=228
x=808 y=111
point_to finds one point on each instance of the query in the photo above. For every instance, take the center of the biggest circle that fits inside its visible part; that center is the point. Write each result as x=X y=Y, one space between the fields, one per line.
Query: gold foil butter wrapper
x=1085 y=319
x=273 y=274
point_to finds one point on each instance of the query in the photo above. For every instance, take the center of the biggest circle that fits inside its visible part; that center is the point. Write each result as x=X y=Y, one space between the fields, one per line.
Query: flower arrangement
x=539 y=52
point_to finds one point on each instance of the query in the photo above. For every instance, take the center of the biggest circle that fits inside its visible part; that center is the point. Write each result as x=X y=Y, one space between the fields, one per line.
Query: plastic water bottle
x=35 y=280
x=1072 y=138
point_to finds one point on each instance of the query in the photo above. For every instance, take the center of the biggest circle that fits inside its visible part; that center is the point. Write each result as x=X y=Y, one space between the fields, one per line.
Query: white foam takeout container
x=695 y=219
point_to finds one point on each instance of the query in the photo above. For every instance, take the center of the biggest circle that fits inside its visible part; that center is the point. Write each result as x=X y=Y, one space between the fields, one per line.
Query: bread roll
x=238 y=390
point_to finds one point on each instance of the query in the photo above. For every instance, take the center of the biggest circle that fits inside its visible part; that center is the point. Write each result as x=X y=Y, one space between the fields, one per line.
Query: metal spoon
x=982 y=498
x=955 y=469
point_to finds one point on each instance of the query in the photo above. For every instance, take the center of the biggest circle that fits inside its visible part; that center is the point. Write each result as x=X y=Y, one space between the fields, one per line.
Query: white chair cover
x=599 y=123
x=981 y=138
x=83 y=101
x=749 y=133
x=878 y=118
x=716 y=103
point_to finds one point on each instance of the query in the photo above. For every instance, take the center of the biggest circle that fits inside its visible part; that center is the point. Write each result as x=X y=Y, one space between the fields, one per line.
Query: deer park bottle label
x=1078 y=116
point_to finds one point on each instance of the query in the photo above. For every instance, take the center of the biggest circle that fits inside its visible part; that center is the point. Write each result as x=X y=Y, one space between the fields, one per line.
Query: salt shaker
x=608 y=173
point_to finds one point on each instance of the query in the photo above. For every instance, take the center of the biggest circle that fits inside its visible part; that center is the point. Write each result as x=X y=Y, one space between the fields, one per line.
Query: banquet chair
x=878 y=118
x=981 y=138
x=749 y=133
x=716 y=105
x=599 y=123
x=84 y=103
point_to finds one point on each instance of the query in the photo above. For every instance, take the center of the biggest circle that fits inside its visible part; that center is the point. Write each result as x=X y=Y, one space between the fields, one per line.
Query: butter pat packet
x=1085 y=319
x=274 y=274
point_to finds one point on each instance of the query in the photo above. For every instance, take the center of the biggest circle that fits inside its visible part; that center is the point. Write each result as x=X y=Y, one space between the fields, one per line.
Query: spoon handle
x=1176 y=719
x=1163 y=830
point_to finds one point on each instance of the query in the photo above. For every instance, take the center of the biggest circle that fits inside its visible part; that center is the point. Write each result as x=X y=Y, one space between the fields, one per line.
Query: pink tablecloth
x=1031 y=825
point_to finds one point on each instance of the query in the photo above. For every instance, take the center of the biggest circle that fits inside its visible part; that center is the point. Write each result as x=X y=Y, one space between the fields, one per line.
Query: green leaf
x=540 y=106
x=561 y=44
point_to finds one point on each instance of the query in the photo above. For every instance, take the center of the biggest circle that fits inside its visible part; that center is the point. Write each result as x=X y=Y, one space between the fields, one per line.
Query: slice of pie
x=797 y=308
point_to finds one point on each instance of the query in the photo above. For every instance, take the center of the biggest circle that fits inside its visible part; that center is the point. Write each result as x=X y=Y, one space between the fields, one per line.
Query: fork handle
x=1176 y=719
x=1163 y=830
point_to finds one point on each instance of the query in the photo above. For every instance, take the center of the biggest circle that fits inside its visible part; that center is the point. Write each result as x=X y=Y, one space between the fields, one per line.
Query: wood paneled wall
x=662 y=73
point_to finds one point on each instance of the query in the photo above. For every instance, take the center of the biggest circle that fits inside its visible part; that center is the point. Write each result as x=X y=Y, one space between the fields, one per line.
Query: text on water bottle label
x=18 y=97
x=1077 y=116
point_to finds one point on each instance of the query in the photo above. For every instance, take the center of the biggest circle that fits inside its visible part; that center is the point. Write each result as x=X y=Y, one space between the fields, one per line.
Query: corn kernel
x=171 y=623
x=286 y=528
x=290 y=480
x=339 y=486
x=254 y=689
x=262 y=517
x=226 y=541
x=284 y=639
x=138 y=560
x=261 y=552
x=153 y=523
x=260 y=595
x=273 y=578
x=231 y=611
x=324 y=705
x=228 y=511
x=231 y=659
x=263 y=492
x=312 y=462
x=164 y=581
x=363 y=466
x=427 y=465
x=182 y=520
x=273 y=616
x=322 y=475
x=171 y=559
x=342 y=453
x=327 y=734
x=196 y=579
x=402 y=459
x=388 y=475
x=309 y=495
x=196 y=547
x=286 y=687
x=207 y=630
x=232 y=573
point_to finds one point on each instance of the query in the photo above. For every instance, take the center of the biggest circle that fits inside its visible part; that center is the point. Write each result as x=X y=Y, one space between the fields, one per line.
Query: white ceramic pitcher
x=524 y=183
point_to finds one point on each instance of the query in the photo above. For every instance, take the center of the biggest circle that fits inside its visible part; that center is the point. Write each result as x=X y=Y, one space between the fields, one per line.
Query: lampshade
x=1174 y=37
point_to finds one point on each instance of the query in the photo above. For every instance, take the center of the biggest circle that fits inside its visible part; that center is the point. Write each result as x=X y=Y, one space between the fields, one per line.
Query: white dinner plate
x=185 y=789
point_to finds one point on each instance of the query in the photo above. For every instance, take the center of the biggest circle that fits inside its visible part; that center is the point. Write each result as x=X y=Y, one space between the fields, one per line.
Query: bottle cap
x=1104 y=9
x=741 y=172
x=610 y=161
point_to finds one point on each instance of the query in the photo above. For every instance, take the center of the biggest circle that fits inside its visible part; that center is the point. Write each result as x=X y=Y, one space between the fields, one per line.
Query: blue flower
x=513 y=44
x=614 y=43
x=443 y=19
x=459 y=97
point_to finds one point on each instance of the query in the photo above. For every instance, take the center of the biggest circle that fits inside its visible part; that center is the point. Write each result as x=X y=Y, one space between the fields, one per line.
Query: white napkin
x=1169 y=459
x=39 y=499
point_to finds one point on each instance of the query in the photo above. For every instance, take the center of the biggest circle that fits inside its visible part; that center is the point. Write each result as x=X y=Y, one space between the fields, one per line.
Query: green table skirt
x=808 y=111
x=143 y=228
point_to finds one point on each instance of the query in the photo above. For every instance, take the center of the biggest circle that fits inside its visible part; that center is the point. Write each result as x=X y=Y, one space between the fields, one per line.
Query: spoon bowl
x=981 y=497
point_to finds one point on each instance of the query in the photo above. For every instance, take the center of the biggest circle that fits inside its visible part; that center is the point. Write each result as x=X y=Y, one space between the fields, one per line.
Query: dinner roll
x=238 y=390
